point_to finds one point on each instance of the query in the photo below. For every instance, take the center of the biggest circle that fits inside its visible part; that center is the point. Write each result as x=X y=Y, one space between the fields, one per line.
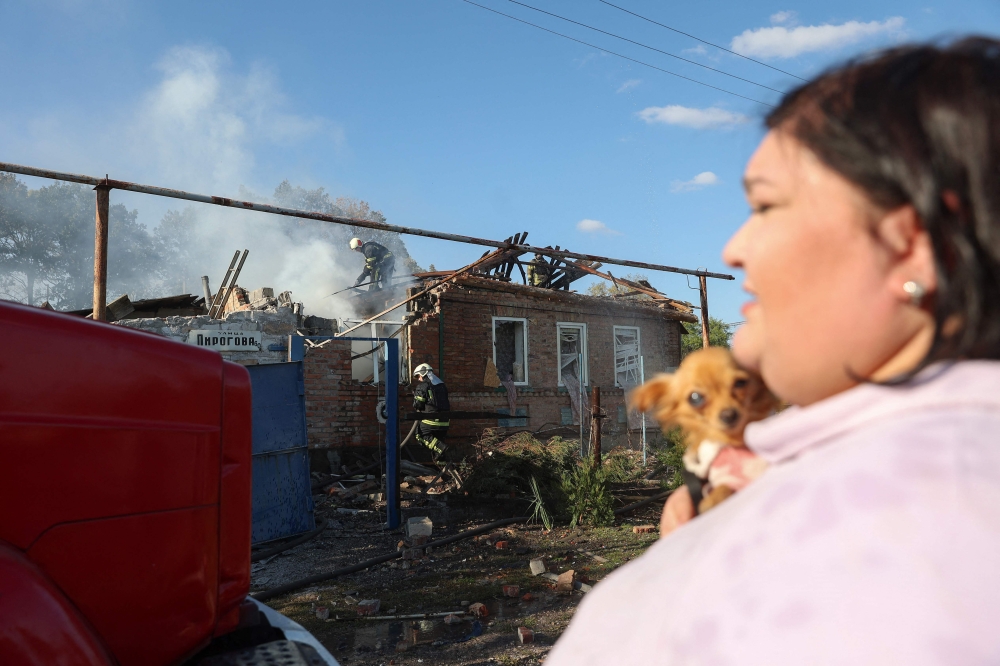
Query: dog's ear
x=656 y=393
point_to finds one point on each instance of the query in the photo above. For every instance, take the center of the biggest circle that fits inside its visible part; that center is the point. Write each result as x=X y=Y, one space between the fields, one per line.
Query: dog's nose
x=729 y=416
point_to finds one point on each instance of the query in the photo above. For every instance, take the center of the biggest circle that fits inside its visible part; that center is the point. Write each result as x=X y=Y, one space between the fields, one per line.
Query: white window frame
x=524 y=341
x=586 y=363
x=614 y=337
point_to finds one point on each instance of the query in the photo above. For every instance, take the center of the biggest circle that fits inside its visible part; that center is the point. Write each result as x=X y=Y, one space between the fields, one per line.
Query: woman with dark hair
x=872 y=256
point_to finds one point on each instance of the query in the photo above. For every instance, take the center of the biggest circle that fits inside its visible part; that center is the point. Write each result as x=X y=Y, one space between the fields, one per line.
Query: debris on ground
x=467 y=602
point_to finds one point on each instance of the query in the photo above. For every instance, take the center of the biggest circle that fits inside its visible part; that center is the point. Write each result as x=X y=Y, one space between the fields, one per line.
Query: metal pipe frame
x=335 y=219
x=297 y=352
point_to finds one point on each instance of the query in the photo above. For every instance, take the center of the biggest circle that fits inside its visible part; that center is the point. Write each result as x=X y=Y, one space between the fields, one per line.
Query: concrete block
x=419 y=526
x=537 y=567
x=263 y=292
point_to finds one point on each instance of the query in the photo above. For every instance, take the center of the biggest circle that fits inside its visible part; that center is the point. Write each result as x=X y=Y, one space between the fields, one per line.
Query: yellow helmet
x=356 y=243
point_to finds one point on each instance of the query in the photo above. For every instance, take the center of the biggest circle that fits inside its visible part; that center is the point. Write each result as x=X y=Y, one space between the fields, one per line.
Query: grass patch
x=588 y=500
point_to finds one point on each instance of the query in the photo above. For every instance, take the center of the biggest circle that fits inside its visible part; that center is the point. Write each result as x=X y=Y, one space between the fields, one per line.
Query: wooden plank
x=683 y=307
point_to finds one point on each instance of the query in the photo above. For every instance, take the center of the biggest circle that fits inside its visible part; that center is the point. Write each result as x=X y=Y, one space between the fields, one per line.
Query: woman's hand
x=678 y=510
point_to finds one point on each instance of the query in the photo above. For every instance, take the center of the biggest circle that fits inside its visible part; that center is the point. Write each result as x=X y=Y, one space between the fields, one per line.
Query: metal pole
x=101 y=253
x=392 y=434
x=595 y=425
x=335 y=219
x=579 y=379
x=703 y=288
x=375 y=345
x=642 y=380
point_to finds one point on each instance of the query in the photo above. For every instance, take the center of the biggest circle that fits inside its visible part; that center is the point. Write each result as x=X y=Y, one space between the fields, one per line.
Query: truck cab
x=125 y=490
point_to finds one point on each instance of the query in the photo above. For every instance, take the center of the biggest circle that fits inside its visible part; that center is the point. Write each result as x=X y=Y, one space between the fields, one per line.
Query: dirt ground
x=449 y=579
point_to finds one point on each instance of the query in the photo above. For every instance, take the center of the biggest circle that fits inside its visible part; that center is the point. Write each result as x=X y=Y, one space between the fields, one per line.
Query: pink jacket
x=874 y=538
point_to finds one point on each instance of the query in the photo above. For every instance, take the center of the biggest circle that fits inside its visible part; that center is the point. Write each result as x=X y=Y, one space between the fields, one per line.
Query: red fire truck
x=125 y=502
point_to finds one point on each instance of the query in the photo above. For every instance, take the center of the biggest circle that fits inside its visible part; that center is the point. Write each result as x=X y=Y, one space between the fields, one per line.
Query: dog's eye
x=696 y=399
x=740 y=384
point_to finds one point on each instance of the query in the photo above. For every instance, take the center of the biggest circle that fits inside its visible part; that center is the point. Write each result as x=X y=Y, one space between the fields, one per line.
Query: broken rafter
x=637 y=288
x=470 y=267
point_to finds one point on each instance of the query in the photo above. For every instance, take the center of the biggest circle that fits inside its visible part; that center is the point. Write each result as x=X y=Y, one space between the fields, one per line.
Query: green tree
x=607 y=289
x=719 y=335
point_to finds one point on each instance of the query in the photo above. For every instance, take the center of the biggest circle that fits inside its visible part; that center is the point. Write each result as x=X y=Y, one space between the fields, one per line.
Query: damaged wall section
x=249 y=337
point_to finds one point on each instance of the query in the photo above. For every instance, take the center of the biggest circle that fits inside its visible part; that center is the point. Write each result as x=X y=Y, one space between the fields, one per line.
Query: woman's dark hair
x=920 y=125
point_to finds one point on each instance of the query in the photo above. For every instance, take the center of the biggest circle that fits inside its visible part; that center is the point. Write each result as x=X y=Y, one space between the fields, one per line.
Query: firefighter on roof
x=379 y=264
x=430 y=396
x=539 y=271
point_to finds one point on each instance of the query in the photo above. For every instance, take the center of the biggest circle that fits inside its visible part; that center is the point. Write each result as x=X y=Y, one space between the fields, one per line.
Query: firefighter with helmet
x=539 y=271
x=379 y=264
x=430 y=396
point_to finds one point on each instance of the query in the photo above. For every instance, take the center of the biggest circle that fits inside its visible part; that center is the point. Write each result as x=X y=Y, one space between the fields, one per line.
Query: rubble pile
x=253 y=331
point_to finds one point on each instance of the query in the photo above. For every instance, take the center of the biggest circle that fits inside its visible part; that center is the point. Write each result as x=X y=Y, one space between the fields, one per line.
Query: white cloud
x=628 y=85
x=784 y=17
x=702 y=180
x=782 y=42
x=685 y=116
x=696 y=50
x=200 y=126
x=595 y=227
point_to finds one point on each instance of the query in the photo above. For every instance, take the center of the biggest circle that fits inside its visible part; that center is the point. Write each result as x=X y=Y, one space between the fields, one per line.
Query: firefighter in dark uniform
x=430 y=396
x=539 y=271
x=379 y=264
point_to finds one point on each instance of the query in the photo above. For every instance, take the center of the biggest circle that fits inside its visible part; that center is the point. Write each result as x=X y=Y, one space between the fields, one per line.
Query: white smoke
x=199 y=129
x=282 y=256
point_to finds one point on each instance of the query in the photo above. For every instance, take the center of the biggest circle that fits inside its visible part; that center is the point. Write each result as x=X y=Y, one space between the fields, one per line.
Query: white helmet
x=356 y=243
x=421 y=370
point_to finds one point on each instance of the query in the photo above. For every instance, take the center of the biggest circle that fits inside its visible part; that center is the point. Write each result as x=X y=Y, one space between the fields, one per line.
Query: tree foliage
x=607 y=289
x=719 y=335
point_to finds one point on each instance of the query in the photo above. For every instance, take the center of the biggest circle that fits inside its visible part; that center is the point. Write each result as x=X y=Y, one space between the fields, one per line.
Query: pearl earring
x=916 y=292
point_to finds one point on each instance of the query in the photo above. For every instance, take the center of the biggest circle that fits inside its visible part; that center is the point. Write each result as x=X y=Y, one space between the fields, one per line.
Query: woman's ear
x=911 y=253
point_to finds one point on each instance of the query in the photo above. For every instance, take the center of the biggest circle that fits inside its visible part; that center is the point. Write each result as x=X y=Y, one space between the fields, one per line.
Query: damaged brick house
x=499 y=344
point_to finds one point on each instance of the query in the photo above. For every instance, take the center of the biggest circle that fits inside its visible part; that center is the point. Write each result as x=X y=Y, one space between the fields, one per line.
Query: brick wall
x=340 y=411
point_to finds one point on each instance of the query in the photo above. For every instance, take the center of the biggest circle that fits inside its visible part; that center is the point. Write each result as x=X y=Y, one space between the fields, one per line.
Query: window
x=627 y=356
x=572 y=341
x=510 y=349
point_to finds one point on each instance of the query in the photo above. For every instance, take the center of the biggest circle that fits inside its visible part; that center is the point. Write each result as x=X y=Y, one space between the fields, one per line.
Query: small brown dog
x=712 y=399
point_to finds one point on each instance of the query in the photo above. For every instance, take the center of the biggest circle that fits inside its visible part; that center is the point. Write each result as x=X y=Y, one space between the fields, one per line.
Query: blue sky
x=440 y=114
